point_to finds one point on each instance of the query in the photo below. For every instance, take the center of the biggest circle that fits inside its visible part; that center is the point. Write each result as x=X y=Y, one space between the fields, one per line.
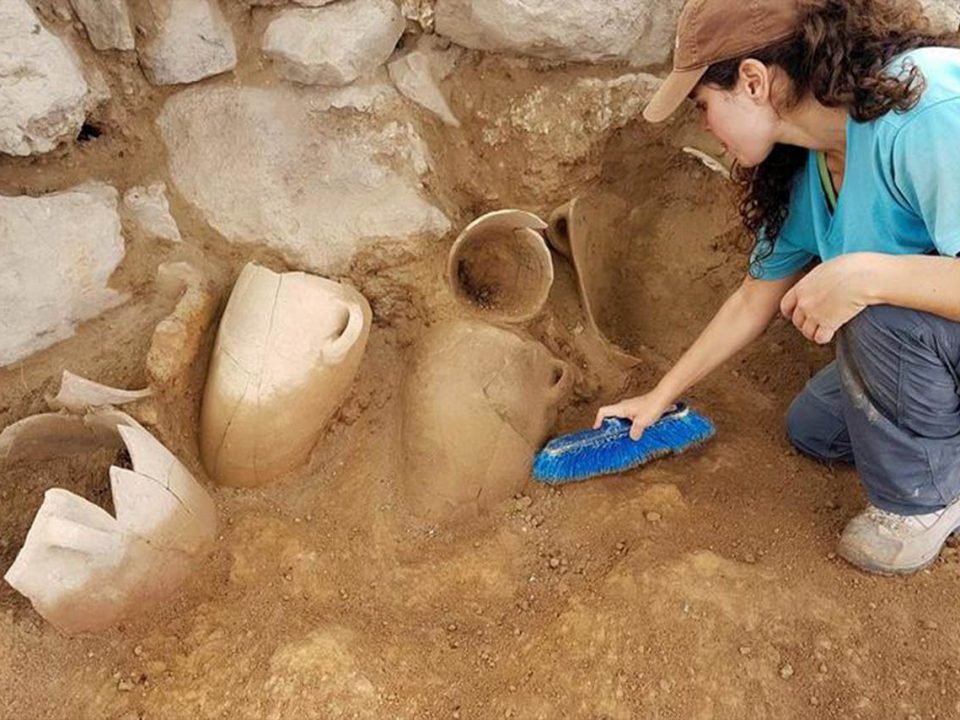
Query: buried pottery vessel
x=500 y=266
x=286 y=354
x=588 y=231
x=82 y=568
x=478 y=403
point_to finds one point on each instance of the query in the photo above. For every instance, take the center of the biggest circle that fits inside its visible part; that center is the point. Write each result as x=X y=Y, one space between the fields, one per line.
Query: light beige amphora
x=479 y=401
x=287 y=351
x=500 y=267
x=592 y=232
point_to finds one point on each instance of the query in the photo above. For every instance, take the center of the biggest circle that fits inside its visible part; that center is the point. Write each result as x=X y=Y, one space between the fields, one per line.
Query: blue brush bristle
x=609 y=449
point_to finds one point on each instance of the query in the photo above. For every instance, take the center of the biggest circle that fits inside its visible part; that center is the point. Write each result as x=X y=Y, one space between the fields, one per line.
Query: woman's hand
x=643 y=410
x=830 y=296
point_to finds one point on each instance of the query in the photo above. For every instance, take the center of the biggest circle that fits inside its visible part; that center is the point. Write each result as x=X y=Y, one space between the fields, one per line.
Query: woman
x=844 y=120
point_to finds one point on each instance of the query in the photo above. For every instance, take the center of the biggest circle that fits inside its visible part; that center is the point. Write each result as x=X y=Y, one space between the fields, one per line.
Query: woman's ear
x=755 y=80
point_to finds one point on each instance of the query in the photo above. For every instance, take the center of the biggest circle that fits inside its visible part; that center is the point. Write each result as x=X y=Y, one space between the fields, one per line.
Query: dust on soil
x=698 y=587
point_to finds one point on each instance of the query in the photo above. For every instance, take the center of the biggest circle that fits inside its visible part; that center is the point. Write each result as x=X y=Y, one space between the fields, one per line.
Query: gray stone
x=333 y=45
x=185 y=40
x=274 y=167
x=58 y=253
x=42 y=91
x=638 y=31
x=107 y=23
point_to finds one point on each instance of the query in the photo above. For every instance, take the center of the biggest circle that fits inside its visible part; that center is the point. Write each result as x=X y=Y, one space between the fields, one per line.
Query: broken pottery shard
x=85 y=570
x=107 y=23
x=42 y=91
x=639 y=31
x=500 y=266
x=78 y=394
x=589 y=232
x=184 y=40
x=333 y=45
x=62 y=280
x=148 y=210
x=417 y=73
x=477 y=404
x=178 y=338
x=50 y=435
x=272 y=166
x=286 y=354
x=710 y=162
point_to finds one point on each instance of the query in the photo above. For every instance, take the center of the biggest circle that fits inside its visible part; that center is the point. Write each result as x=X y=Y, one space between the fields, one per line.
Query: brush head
x=609 y=450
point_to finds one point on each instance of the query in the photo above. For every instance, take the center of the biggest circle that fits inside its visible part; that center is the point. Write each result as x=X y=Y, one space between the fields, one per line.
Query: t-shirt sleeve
x=926 y=163
x=782 y=260
x=788 y=254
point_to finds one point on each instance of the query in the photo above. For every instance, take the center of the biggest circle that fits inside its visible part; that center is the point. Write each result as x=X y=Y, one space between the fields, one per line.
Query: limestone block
x=149 y=211
x=272 y=166
x=107 y=23
x=58 y=253
x=638 y=31
x=83 y=569
x=479 y=402
x=287 y=351
x=42 y=91
x=333 y=45
x=417 y=73
x=185 y=40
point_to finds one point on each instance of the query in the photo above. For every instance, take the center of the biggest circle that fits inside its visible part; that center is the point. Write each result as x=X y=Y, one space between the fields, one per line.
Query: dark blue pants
x=890 y=403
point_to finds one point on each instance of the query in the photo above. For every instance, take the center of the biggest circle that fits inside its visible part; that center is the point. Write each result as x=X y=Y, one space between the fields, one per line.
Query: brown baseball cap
x=711 y=31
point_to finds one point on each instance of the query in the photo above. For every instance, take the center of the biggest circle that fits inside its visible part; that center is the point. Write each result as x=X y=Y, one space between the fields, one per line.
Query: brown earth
x=699 y=587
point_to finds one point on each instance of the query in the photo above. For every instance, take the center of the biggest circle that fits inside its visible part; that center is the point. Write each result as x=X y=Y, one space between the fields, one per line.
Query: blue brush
x=609 y=449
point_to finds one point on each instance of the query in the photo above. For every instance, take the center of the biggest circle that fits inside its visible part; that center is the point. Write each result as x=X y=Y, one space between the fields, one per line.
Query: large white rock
x=42 y=91
x=639 y=31
x=58 y=253
x=185 y=40
x=333 y=45
x=272 y=166
x=107 y=23
x=944 y=15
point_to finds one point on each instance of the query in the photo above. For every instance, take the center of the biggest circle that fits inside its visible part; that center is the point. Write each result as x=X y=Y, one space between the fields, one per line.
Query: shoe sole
x=871 y=566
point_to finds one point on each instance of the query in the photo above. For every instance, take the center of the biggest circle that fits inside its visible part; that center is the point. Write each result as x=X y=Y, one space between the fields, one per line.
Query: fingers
x=824 y=335
x=605 y=412
x=789 y=303
x=636 y=430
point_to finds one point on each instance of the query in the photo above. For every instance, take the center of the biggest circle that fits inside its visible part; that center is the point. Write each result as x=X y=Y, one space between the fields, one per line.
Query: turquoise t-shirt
x=901 y=185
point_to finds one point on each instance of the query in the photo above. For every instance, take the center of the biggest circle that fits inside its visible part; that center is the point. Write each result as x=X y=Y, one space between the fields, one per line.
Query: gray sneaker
x=889 y=544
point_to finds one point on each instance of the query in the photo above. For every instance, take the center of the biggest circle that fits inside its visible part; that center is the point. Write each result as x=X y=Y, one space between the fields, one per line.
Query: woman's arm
x=743 y=317
x=835 y=292
x=920 y=282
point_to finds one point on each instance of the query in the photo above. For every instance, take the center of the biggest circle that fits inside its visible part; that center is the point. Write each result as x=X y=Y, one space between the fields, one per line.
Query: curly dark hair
x=839 y=54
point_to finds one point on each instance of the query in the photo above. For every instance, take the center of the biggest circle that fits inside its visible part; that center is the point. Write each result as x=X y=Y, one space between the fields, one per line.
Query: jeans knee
x=814 y=431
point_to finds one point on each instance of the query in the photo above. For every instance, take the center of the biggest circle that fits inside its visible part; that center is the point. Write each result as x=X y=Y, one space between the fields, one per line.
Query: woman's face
x=742 y=119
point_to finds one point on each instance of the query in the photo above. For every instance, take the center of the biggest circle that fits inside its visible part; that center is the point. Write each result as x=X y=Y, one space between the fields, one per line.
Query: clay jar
x=500 y=266
x=479 y=401
x=287 y=351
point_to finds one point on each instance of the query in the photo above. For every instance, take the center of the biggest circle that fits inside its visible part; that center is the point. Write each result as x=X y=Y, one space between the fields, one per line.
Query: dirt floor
x=702 y=587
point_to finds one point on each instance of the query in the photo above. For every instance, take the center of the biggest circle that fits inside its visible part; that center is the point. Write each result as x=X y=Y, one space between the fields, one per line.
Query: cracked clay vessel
x=286 y=354
x=84 y=569
x=479 y=401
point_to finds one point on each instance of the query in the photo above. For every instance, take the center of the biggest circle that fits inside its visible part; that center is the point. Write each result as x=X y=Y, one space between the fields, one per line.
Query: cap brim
x=671 y=94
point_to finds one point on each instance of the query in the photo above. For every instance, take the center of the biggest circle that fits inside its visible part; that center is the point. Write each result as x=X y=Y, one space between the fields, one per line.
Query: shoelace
x=892 y=521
